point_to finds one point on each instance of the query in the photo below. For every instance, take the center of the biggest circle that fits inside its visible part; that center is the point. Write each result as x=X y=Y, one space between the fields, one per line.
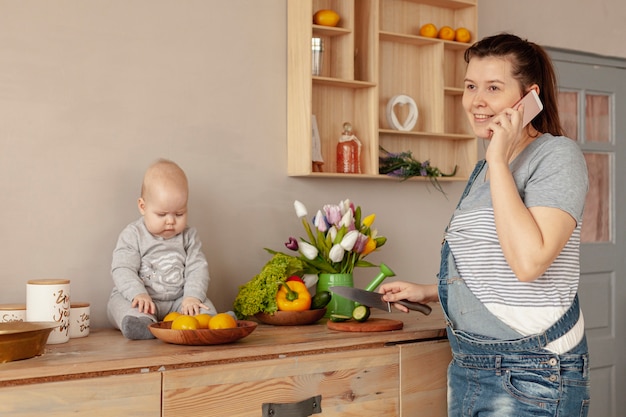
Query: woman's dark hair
x=530 y=65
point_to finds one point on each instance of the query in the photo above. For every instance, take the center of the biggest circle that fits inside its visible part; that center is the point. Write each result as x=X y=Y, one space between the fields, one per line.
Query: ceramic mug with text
x=49 y=300
x=79 y=320
x=12 y=312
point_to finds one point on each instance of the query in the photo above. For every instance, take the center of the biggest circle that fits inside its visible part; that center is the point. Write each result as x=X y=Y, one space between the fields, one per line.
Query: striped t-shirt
x=550 y=172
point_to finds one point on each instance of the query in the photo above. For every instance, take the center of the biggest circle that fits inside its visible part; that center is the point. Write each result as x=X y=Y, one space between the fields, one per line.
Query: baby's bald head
x=163 y=175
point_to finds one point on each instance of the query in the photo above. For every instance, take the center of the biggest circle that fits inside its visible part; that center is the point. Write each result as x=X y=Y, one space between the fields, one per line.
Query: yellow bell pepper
x=293 y=296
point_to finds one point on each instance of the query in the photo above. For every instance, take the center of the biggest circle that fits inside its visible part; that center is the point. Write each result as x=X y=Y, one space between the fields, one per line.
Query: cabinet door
x=354 y=383
x=423 y=382
x=121 y=395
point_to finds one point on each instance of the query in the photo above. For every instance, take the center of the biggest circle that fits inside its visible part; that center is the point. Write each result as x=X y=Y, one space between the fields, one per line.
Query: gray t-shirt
x=166 y=268
x=550 y=172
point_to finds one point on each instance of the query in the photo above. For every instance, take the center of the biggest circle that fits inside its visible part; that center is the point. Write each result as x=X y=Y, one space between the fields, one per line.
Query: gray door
x=592 y=100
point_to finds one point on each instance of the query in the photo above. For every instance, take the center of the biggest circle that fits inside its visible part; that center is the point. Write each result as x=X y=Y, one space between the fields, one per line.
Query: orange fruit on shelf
x=171 y=316
x=184 y=322
x=203 y=320
x=222 y=321
x=326 y=17
x=462 y=35
x=446 y=33
x=428 y=30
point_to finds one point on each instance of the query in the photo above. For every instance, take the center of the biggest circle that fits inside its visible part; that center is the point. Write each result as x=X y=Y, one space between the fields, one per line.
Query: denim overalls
x=495 y=371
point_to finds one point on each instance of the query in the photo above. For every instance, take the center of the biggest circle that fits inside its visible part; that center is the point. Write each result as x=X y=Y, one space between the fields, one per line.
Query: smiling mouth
x=482 y=117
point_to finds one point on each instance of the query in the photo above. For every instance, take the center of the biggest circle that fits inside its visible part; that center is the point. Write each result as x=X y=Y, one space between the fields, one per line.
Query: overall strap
x=479 y=166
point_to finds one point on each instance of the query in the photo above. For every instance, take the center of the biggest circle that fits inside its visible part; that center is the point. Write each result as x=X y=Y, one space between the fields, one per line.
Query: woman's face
x=489 y=89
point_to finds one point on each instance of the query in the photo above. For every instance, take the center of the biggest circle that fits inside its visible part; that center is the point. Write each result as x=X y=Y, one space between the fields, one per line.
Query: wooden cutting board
x=371 y=325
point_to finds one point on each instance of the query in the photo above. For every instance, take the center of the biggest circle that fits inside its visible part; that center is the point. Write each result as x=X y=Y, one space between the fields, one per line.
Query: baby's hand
x=144 y=303
x=191 y=306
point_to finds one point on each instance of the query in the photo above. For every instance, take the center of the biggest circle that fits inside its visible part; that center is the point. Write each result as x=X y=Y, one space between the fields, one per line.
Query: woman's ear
x=534 y=87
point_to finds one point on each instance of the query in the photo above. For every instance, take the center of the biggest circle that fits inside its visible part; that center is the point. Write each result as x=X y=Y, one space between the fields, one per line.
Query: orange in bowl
x=446 y=33
x=203 y=320
x=171 y=316
x=222 y=321
x=429 y=30
x=184 y=322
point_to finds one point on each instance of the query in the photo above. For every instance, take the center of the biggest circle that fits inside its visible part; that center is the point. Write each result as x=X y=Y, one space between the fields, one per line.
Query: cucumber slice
x=361 y=313
x=338 y=318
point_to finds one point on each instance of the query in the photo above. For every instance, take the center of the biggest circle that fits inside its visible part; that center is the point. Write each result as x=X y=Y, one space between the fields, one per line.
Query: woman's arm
x=531 y=238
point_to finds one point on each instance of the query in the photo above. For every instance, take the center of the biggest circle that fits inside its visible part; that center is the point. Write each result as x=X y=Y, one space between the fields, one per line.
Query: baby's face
x=164 y=211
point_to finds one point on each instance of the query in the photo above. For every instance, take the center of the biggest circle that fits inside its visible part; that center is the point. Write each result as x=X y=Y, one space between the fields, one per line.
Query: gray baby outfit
x=167 y=269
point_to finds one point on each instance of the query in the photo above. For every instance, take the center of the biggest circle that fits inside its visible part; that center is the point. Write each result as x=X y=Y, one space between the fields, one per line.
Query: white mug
x=79 y=320
x=49 y=300
x=12 y=312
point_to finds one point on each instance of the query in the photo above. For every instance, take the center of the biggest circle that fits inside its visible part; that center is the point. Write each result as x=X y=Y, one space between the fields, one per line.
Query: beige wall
x=583 y=25
x=92 y=91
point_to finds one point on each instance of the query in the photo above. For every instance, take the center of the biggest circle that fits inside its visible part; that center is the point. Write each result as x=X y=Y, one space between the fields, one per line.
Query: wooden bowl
x=23 y=340
x=201 y=337
x=291 y=318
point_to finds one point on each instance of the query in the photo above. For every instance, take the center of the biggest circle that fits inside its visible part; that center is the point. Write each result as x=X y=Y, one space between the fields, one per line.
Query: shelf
x=330 y=31
x=411 y=39
x=375 y=54
x=378 y=177
x=417 y=135
x=453 y=91
x=454 y=45
x=421 y=40
x=448 y=4
x=336 y=82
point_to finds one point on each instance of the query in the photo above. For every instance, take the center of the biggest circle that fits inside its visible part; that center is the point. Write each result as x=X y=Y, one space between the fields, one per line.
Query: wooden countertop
x=107 y=352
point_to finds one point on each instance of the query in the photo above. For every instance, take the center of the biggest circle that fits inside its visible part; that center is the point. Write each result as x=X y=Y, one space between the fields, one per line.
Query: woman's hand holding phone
x=507 y=127
x=532 y=106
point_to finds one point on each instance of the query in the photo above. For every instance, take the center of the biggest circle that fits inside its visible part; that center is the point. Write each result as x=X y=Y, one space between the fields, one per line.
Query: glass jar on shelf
x=348 y=152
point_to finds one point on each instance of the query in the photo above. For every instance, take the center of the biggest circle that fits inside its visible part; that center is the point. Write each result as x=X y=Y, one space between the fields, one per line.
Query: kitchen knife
x=375 y=300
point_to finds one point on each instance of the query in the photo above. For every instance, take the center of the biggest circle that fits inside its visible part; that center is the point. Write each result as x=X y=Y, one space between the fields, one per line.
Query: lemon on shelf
x=326 y=17
x=429 y=30
x=446 y=33
x=462 y=35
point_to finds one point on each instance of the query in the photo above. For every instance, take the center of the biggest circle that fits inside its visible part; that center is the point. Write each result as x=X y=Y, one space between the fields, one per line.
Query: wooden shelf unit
x=374 y=54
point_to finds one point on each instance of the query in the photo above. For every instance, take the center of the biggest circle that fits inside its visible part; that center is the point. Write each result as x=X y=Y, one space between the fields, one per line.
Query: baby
x=158 y=265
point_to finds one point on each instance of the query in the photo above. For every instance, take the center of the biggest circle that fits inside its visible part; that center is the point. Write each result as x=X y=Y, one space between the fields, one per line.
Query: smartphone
x=532 y=106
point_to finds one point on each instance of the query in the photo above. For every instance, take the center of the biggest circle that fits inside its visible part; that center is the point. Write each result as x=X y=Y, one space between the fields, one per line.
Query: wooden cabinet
x=373 y=55
x=361 y=383
x=137 y=395
x=395 y=373
x=423 y=380
x=401 y=380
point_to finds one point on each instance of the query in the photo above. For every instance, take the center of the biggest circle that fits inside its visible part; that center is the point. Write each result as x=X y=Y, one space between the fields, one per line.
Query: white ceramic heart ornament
x=392 y=118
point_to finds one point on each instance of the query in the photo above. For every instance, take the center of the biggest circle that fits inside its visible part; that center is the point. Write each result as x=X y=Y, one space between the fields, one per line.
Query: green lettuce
x=259 y=294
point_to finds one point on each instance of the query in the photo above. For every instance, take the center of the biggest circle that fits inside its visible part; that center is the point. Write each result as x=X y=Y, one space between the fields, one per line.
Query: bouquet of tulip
x=337 y=240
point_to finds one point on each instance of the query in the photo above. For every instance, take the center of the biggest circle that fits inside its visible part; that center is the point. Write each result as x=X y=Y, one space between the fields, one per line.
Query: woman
x=510 y=260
